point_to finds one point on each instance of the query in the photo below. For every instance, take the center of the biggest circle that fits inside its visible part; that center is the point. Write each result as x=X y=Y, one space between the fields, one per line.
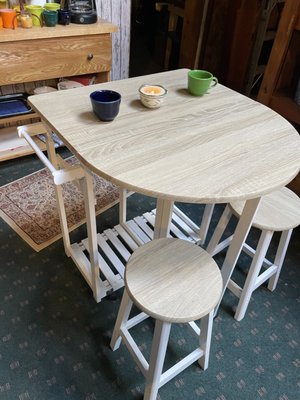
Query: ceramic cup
x=63 y=17
x=50 y=17
x=36 y=12
x=199 y=81
x=9 y=18
x=106 y=104
x=152 y=96
x=52 y=6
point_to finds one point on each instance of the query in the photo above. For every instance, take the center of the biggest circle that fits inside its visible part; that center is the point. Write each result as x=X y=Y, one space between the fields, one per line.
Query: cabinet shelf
x=50 y=53
x=11 y=146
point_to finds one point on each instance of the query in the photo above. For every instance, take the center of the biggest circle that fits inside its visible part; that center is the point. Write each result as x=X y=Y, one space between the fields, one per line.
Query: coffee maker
x=83 y=11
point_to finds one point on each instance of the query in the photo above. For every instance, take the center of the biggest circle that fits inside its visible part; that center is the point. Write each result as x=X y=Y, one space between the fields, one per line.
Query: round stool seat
x=173 y=280
x=277 y=211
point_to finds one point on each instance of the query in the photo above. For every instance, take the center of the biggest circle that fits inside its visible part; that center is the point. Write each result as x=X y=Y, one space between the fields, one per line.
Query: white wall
x=118 y=12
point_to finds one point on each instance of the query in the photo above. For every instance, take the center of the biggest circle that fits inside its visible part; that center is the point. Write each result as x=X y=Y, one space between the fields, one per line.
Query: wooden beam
x=193 y=12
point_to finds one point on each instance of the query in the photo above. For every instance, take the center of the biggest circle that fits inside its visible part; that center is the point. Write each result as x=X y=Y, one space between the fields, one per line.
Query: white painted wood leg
x=250 y=283
x=123 y=206
x=216 y=237
x=58 y=194
x=63 y=219
x=206 y=325
x=280 y=256
x=238 y=240
x=122 y=318
x=89 y=204
x=205 y=222
x=157 y=358
x=164 y=210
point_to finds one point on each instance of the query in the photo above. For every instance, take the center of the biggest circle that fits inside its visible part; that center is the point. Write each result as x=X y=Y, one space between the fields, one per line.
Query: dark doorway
x=149 y=35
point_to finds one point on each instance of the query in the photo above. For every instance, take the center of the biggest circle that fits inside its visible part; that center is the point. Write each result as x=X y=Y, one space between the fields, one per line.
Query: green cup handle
x=214 y=81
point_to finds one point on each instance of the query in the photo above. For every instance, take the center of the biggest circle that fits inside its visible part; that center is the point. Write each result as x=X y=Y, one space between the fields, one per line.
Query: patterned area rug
x=28 y=205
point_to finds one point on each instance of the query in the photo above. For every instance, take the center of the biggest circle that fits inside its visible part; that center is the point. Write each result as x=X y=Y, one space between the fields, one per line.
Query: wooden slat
x=113 y=237
x=111 y=245
x=126 y=237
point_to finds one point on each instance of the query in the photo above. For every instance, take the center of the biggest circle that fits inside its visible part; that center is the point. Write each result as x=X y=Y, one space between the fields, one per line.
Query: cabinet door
x=26 y=61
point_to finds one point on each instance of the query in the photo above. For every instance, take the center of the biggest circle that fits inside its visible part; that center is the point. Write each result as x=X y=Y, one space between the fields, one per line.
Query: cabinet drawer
x=26 y=61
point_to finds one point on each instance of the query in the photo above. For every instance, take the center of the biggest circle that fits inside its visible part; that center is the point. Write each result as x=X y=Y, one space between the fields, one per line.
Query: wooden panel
x=290 y=15
x=218 y=37
x=285 y=105
x=193 y=11
x=118 y=12
x=53 y=58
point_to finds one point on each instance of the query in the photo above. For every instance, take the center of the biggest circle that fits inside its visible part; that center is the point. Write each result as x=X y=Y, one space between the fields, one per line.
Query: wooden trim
x=101 y=27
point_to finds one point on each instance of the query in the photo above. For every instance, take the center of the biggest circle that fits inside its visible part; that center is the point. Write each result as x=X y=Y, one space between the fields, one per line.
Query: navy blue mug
x=106 y=104
x=63 y=17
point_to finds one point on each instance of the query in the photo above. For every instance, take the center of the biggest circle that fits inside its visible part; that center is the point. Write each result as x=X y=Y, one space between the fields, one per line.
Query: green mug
x=50 y=17
x=199 y=81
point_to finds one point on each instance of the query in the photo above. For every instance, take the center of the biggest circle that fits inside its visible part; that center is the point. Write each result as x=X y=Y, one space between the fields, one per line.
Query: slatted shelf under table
x=115 y=246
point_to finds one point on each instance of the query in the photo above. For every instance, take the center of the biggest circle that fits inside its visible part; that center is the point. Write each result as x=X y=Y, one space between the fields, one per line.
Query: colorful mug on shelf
x=52 y=6
x=63 y=17
x=25 y=19
x=9 y=18
x=36 y=12
x=50 y=17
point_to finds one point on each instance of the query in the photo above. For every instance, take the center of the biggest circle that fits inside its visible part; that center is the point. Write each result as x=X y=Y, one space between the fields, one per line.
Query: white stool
x=173 y=281
x=278 y=211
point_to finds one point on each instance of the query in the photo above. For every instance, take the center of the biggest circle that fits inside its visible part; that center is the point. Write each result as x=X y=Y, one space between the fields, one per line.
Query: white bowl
x=152 y=96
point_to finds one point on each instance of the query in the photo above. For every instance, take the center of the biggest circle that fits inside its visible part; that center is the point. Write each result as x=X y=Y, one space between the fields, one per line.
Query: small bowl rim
x=106 y=91
x=153 y=95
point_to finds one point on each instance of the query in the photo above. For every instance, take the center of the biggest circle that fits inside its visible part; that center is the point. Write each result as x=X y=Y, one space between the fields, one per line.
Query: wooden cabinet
x=38 y=54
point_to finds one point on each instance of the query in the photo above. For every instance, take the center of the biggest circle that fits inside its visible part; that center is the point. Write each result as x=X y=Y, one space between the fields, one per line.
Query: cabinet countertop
x=100 y=27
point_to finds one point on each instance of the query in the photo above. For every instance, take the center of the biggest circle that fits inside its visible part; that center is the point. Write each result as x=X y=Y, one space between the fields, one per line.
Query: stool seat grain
x=173 y=280
x=277 y=211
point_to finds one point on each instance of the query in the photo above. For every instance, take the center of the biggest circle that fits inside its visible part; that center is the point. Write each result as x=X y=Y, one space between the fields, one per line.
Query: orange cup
x=1 y=23
x=9 y=19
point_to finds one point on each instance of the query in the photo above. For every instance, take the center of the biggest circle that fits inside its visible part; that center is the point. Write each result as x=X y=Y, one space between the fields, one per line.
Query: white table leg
x=207 y=215
x=89 y=204
x=123 y=206
x=58 y=193
x=237 y=243
x=164 y=210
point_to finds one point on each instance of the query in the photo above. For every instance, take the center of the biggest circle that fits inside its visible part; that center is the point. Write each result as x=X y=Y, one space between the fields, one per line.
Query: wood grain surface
x=220 y=147
x=19 y=34
x=52 y=58
x=173 y=280
x=278 y=211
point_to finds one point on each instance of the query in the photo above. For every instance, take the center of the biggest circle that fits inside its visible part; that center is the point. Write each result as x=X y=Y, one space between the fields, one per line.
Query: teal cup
x=200 y=81
x=50 y=17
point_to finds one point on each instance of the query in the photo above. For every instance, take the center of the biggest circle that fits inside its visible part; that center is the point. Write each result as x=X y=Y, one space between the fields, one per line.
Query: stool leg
x=256 y=264
x=280 y=256
x=122 y=318
x=206 y=324
x=206 y=218
x=157 y=358
x=216 y=237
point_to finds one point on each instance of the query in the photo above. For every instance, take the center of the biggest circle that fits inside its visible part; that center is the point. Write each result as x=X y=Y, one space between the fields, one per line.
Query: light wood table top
x=216 y=148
